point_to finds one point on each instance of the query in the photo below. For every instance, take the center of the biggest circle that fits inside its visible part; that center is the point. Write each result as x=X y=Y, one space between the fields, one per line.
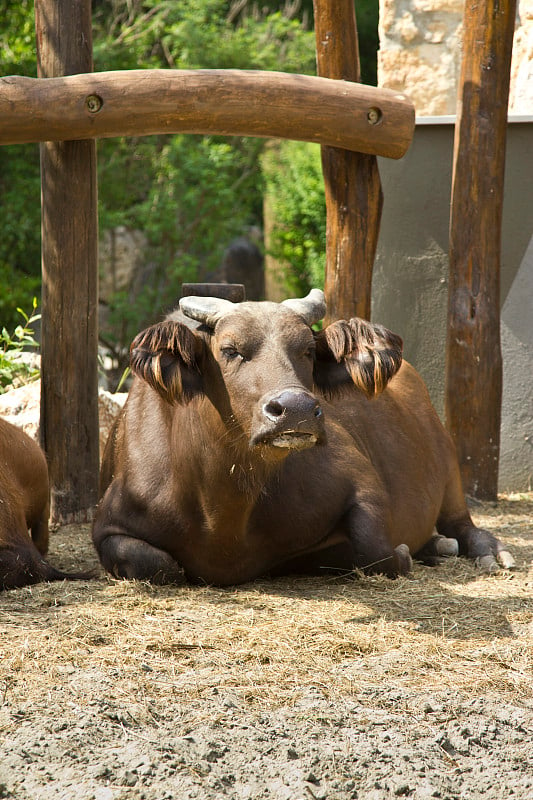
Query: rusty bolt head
x=94 y=103
x=374 y=115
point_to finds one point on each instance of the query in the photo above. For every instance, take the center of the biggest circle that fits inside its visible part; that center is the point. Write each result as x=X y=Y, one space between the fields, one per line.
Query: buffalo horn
x=207 y=310
x=312 y=307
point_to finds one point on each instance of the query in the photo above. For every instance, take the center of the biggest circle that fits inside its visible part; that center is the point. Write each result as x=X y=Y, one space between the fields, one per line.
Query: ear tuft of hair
x=360 y=353
x=165 y=356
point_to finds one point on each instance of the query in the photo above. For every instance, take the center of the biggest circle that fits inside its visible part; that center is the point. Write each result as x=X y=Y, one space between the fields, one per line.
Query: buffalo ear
x=356 y=353
x=166 y=356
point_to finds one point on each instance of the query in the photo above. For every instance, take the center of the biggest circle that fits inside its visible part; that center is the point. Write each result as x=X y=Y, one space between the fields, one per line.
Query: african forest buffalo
x=24 y=504
x=251 y=444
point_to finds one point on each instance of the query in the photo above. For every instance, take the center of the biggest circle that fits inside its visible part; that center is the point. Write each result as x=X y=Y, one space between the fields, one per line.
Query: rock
x=121 y=256
x=21 y=407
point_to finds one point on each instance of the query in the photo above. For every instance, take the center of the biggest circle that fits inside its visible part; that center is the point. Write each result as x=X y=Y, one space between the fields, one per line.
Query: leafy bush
x=15 y=369
x=20 y=239
x=17 y=288
x=190 y=198
x=295 y=187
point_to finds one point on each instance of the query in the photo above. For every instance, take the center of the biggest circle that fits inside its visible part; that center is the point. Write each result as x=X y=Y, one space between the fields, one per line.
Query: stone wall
x=420 y=54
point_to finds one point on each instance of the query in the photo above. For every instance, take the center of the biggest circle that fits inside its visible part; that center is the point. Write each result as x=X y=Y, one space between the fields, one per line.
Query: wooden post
x=69 y=384
x=354 y=198
x=473 y=356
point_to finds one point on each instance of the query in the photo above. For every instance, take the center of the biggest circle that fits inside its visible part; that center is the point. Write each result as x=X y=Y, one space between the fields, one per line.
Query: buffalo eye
x=306 y=353
x=231 y=353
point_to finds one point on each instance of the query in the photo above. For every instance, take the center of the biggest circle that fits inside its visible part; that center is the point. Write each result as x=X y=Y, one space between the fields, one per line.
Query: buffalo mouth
x=290 y=440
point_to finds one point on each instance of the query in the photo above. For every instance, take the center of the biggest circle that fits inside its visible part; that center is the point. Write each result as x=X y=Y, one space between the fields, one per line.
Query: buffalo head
x=261 y=365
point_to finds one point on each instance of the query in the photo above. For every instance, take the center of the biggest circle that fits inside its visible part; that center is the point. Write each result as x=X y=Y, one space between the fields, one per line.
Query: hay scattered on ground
x=264 y=643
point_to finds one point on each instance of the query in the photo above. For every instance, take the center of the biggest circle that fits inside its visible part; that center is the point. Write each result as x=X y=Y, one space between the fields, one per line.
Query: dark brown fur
x=228 y=462
x=24 y=505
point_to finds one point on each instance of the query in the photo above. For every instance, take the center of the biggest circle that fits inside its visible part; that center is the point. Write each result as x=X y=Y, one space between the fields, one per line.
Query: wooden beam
x=354 y=198
x=69 y=384
x=228 y=102
x=473 y=358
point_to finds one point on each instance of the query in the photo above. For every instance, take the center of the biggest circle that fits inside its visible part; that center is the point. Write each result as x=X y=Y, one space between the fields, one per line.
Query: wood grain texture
x=228 y=102
x=473 y=357
x=354 y=198
x=69 y=386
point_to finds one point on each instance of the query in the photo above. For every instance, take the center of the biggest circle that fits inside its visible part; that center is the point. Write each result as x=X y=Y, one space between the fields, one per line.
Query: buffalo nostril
x=274 y=409
x=318 y=412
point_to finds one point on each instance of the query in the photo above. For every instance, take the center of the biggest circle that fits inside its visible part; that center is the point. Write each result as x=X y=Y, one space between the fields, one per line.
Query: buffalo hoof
x=437 y=550
x=134 y=559
x=490 y=563
x=489 y=554
x=403 y=559
x=445 y=547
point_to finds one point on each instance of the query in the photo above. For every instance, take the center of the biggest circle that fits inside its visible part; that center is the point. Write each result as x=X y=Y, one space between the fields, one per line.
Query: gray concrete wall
x=411 y=274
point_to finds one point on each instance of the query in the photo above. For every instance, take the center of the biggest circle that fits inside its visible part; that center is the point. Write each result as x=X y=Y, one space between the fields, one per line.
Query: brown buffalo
x=251 y=445
x=24 y=504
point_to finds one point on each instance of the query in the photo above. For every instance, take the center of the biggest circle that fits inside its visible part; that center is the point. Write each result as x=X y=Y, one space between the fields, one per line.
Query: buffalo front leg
x=127 y=557
x=372 y=552
x=480 y=545
x=455 y=522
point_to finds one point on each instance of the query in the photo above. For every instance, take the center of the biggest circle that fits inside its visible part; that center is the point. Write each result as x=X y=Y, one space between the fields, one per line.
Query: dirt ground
x=290 y=689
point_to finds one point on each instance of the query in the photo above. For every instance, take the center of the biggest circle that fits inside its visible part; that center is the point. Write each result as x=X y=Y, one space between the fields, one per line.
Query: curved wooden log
x=228 y=102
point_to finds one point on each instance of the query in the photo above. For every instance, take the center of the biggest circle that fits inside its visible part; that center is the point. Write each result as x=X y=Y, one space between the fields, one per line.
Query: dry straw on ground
x=448 y=627
x=289 y=689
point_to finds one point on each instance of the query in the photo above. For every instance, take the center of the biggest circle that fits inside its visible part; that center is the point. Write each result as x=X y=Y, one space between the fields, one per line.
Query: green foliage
x=17 y=38
x=20 y=237
x=295 y=187
x=367 y=13
x=190 y=195
x=15 y=284
x=15 y=370
x=199 y=34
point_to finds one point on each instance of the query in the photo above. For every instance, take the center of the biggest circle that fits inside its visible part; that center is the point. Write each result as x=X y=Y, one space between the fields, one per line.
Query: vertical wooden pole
x=69 y=383
x=354 y=198
x=473 y=356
